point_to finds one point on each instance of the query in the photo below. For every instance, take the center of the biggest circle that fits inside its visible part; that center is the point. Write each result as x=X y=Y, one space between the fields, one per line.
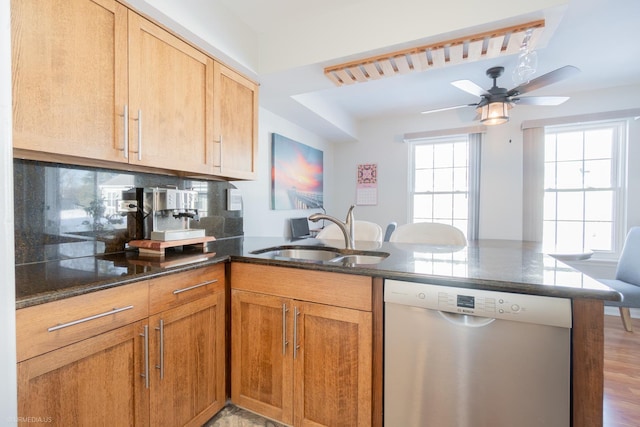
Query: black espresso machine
x=160 y=213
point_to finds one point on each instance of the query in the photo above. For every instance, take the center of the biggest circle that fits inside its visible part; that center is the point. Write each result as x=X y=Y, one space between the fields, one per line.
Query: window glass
x=441 y=181
x=582 y=184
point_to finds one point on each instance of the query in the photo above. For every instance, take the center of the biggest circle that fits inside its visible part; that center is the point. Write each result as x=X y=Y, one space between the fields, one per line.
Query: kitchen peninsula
x=507 y=266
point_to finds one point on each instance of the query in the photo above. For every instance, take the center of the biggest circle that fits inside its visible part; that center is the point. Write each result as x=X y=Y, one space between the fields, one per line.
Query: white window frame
x=473 y=177
x=618 y=175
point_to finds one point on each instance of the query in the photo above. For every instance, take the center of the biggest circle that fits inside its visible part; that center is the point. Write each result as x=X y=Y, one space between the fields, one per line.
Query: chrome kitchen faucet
x=347 y=227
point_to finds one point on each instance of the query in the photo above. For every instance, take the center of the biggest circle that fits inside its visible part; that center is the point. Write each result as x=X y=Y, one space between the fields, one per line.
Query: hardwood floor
x=621 y=374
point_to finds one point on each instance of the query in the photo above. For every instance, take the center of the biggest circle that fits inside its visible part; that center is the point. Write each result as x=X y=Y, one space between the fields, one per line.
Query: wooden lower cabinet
x=96 y=381
x=188 y=349
x=166 y=369
x=332 y=370
x=300 y=362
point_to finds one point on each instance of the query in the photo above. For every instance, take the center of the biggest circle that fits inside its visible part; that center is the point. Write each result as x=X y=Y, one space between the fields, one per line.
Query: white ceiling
x=600 y=37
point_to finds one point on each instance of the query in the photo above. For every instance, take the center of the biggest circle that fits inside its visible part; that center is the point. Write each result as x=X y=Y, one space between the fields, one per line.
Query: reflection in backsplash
x=64 y=211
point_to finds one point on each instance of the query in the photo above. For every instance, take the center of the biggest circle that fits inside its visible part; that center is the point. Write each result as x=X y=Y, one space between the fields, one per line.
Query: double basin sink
x=323 y=254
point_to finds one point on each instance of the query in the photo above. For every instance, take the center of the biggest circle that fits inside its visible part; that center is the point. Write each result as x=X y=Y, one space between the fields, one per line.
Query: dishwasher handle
x=466 y=319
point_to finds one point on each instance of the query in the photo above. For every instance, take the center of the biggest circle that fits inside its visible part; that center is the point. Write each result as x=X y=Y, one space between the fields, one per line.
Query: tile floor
x=232 y=416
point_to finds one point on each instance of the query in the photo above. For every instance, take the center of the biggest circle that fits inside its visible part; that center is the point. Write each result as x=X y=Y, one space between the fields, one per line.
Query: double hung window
x=445 y=181
x=583 y=185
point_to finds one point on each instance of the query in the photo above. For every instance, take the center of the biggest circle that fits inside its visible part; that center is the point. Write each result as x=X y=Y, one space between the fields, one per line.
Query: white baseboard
x=614 y=311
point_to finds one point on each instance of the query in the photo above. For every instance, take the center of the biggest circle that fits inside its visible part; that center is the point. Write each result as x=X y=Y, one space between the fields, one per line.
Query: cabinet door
x=188 y=362
x=332 y=367
x=69 y=60
x=171 y=100
x=236 y=124
x=98 y=381
x=261 y=362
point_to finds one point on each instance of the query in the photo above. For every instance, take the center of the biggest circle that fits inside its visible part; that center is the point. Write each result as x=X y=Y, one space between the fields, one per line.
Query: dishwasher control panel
x=478 y=302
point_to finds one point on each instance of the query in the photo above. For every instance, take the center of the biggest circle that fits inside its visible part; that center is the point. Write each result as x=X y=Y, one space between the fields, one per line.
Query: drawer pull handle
x=199 y=285
x=86 y=319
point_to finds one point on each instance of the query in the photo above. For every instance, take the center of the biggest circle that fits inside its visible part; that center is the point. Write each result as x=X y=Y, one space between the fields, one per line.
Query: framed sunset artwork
x=296 y=174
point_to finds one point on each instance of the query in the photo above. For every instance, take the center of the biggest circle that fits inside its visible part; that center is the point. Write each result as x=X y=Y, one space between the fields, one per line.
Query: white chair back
x=429 y=233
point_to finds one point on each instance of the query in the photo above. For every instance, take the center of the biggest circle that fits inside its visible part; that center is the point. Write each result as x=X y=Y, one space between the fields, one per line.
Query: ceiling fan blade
x=470 y=87
x=545 y=80
x=540 y=100
x=437 y=110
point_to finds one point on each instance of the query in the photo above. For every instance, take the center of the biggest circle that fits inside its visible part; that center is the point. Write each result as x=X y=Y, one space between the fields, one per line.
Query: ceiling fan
x=495 y=103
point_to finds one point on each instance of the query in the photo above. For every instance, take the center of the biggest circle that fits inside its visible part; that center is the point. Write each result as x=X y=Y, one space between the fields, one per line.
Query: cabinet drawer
x=337 y=289
x=175 y=289
x=49 y=326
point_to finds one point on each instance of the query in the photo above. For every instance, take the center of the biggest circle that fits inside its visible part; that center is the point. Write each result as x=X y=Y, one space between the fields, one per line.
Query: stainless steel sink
x=323 y=254
x=307 y=254
x=360 y=259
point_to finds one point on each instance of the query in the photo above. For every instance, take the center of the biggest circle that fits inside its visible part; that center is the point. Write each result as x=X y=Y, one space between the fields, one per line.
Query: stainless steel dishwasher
x=457 y=357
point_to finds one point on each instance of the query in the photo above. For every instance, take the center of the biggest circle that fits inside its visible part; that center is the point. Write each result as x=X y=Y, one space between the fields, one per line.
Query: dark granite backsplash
x=64 y=211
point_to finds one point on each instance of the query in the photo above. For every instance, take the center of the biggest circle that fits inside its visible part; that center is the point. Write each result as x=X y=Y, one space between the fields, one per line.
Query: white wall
x=501 y=168
x=8 y=390
x=381 y=143
x=259 y=218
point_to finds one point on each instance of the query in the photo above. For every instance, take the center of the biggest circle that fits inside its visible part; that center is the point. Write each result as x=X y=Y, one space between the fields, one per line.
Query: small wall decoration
x=296 y=175
x=367 y=185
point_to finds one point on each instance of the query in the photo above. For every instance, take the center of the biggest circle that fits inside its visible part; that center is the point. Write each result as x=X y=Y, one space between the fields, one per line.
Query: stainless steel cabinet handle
x=219 y=165
x=199 y=285
x=284 y=329
x=139 y=134
x=145 y=334
x=126 y=131
x=296 y=346
x=221 y=152
x=86 y=319
x=161 y=365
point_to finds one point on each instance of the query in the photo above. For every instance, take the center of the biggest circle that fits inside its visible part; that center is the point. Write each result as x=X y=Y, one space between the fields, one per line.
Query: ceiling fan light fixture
x=494 y=113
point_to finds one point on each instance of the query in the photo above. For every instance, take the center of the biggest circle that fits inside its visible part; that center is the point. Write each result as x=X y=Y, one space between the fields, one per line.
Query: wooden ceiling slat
x=420 y=61
x=455 y=54
x=437 y=56
x=372 y=70
x=515 y=41
x=474 y=50
x=402 y=63
x=332 y=76
x=386 y=67
x=345 y=77
x=358 y=74
x=494 y=47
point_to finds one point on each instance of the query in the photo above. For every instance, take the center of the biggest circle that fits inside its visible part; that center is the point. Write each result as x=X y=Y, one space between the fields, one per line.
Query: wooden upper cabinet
x=69 y=60
x=236 y=124
x=95 y=83
x=170 y=100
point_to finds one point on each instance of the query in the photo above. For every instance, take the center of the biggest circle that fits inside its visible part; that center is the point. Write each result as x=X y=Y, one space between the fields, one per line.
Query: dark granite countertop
x=501 y=265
